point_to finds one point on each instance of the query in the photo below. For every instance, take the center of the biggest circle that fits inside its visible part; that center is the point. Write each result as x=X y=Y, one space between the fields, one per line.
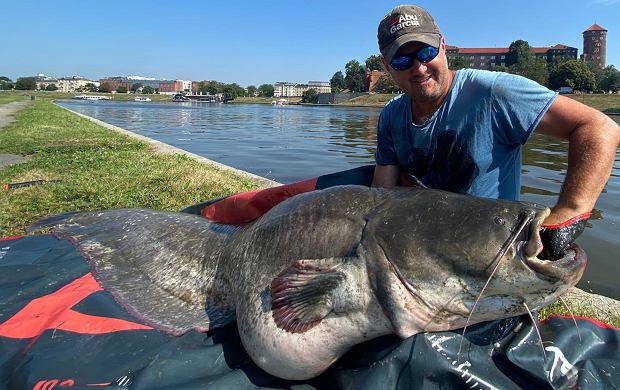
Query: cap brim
x=389 y=51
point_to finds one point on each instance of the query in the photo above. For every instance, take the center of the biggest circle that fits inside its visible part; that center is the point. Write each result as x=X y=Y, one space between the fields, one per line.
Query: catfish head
x=434 y=256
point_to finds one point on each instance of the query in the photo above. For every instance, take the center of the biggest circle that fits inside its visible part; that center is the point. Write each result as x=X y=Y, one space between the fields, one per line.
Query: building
x=595 y=45
x=42 y=81
x=487 y=58
x=162 y=86
x=73 y=83
x=288 y=89
x=373 y=77
x=320 y=86
x=114 y=82
x=171 y=87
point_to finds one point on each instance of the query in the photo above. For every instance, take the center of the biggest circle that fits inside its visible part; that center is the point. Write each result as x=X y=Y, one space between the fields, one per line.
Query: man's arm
x=593 y=138
x=386 y=176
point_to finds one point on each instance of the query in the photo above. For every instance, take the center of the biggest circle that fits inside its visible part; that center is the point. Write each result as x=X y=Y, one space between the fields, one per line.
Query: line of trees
x=553 y=73
x=230 y=91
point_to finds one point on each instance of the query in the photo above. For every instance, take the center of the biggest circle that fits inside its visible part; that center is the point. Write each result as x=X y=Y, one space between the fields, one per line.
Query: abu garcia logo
x=401 y=21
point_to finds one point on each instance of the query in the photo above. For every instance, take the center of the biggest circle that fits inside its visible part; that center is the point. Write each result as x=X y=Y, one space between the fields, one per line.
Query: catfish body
x=325 y=270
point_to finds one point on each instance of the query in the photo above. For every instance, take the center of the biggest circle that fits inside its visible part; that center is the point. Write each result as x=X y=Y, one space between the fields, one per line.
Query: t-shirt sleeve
x=518 y=105
x=385 y=154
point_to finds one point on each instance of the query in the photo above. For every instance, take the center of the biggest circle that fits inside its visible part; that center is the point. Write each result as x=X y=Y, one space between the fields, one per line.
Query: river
x=290 y=143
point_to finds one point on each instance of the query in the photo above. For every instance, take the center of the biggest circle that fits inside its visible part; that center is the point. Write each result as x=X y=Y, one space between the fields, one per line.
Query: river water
x=290 y=143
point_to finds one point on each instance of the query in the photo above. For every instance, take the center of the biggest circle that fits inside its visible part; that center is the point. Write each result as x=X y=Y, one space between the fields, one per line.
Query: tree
x=252 y=90
x=354 y=78
x=574 y=74
x=26 y=84
x=310 y=96
x=456 y=63
x=337 y=82
x=374 y=63
x=534 y=69
x=90 y=87
x=610 y=80
x=232 y=91
x=148 y=90
x=519 y=51
x=386 y=84
x=105 y=87
x=521 y=60
x=6 y=83
x=121 y=89
x=51 y=87
x=265 y=90
x=135 y=87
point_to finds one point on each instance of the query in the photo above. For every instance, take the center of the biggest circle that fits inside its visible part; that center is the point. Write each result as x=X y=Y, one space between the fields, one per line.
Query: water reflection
x=289 y=143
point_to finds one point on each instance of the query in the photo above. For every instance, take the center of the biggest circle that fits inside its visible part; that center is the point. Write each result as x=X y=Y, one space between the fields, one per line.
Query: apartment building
x=73 y=83
x=288 y=89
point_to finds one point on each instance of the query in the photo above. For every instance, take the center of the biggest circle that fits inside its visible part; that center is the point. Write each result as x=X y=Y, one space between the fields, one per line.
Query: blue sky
x=257 y=42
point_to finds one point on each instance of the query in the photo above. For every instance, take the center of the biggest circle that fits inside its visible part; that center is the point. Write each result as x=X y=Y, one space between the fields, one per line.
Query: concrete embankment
x=169 y=149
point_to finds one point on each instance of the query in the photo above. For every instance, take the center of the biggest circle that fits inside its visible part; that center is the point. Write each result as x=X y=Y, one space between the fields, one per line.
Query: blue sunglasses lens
x=427 y=54
x=424 y=55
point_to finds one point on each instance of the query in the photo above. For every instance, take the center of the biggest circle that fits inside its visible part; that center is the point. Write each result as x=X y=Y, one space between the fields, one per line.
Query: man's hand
x=556 y=238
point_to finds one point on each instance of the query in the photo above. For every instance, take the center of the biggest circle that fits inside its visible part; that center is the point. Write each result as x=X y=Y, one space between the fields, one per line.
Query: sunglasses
x=424 y=55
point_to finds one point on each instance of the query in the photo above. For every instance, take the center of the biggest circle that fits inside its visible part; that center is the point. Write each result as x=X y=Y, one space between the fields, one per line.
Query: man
x=462 y=131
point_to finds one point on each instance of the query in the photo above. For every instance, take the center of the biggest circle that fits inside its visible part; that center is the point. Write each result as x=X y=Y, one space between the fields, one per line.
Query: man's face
x=423 y=82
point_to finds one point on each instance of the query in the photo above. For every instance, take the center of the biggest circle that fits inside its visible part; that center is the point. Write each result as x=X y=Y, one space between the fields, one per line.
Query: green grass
x=8 y=97
x=600 y=101
x=558 y=308
x=97 y=168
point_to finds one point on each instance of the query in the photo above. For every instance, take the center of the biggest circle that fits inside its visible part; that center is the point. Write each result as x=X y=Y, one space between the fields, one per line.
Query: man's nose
x=418 y=66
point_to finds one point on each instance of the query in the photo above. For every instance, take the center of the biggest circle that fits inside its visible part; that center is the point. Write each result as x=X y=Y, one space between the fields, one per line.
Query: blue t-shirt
x=472 y=143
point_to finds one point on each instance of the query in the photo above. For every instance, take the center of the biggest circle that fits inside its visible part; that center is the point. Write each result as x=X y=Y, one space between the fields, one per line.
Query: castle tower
x=594 y=45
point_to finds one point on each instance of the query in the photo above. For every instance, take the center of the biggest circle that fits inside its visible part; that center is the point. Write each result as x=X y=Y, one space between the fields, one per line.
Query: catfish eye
x=499 y=221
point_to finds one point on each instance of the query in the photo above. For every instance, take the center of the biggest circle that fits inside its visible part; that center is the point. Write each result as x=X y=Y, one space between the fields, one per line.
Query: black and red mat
x=60 y=329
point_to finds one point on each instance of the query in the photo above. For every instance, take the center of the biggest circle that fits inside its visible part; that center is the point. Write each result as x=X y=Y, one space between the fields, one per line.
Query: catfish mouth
x=528 y=245
x=568 y=269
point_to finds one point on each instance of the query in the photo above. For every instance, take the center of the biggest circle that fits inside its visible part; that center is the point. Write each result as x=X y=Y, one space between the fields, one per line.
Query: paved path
x=7 y=116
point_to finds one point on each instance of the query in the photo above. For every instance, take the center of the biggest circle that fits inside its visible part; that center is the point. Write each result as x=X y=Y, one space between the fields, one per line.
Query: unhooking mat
x=60 y=329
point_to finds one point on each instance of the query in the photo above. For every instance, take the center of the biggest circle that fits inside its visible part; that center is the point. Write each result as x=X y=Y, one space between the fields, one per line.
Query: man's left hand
x=557 y=237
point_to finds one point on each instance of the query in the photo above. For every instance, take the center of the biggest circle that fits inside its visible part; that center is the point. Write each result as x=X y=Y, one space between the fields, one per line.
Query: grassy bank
x=602 y=102
x=96 y=168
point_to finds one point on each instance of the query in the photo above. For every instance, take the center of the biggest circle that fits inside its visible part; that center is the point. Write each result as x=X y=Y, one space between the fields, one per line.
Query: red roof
x=596 y=27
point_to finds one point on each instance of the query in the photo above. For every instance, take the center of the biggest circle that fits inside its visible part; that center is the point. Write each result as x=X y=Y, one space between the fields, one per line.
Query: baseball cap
x=406 y=23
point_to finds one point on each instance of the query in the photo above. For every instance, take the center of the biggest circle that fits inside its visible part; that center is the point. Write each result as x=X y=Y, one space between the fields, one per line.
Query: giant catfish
x=325 y=270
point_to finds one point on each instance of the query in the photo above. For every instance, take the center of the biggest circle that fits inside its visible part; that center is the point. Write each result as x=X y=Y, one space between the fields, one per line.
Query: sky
x=262 y=42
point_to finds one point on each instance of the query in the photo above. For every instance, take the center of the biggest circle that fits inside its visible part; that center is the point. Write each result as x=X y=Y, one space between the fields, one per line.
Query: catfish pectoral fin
x=301 y=294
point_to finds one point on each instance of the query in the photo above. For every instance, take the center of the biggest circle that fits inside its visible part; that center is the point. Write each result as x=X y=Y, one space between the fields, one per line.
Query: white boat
x=92 y=97
x=142 y=99
x=280 y=102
